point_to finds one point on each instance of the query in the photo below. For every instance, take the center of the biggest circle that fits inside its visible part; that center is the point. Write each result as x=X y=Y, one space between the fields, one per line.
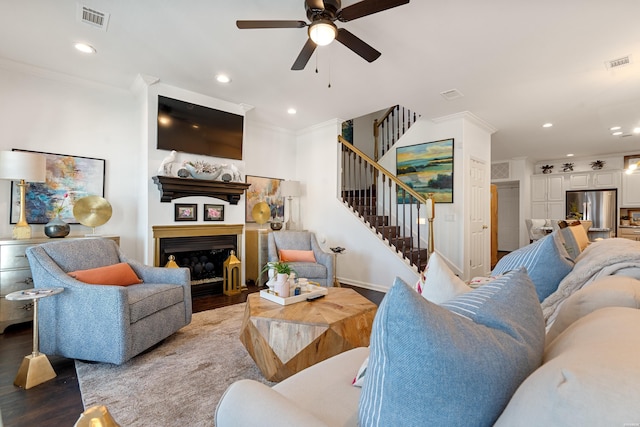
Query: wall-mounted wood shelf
x=174 y=188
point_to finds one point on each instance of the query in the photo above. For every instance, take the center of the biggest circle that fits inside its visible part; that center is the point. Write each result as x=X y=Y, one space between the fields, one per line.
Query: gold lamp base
x=21 y=232
x=34 y=370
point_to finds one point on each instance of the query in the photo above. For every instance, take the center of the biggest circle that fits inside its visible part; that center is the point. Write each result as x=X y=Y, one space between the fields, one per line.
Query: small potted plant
x=546 y=168
x=625 y=220
x=282 y=271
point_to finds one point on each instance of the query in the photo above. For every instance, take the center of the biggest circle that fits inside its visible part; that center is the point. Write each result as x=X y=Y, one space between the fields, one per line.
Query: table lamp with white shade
x=23 y=167
x=290 y=189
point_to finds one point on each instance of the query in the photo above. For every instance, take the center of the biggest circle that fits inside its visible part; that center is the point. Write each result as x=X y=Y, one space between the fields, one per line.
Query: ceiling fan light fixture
x=322 y=32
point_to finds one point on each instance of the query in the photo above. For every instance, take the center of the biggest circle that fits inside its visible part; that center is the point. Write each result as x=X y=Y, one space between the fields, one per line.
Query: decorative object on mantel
x=92 y=211
x=567 y=167
x=546 y=168
x=598 y=164
x=174 y=188
x=167 y=164
x=220 y=172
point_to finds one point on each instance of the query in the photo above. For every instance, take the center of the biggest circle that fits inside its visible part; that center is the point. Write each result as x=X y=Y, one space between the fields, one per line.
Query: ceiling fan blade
x=367 y=7
x=306 y=52
x=357 y=45
x=244 y=25
x=315 y=5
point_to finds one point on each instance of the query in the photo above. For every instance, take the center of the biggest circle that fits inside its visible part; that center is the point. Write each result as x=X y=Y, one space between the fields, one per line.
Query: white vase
x=282 y=285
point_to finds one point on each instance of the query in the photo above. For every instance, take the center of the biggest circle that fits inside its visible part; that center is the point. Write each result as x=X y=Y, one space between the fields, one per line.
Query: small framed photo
x=634 y=216
x=186 y=212
x=213 y=212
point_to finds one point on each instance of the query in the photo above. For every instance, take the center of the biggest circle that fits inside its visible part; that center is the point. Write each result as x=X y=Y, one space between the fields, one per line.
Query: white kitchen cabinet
x=597 y=179
x=605 y=179
x=579 y=181
x=631 y=190
x=547 y=196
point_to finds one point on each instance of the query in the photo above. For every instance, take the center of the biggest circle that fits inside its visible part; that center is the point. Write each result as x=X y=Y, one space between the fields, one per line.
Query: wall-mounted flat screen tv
x=191 y=128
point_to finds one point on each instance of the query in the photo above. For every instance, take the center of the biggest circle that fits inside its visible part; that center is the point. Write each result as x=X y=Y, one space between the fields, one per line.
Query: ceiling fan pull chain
x=329 y=69
x=316 y=62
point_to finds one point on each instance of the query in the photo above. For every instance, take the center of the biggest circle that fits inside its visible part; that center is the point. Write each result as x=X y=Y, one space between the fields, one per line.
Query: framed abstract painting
x=69 y=178
x=427 y=168
x=266 y=190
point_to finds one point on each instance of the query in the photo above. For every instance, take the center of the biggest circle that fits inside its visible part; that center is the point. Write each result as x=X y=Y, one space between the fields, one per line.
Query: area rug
x=180 y=381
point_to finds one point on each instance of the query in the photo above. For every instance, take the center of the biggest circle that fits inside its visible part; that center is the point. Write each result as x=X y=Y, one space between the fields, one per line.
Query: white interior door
x=479 y=256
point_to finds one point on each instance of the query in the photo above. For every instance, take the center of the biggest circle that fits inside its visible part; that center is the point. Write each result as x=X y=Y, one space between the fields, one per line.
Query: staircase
x=388 y=129
x=388 y=206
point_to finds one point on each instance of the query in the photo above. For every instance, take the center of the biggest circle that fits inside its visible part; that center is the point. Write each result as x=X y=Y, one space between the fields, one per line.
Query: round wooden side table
x=35 y=368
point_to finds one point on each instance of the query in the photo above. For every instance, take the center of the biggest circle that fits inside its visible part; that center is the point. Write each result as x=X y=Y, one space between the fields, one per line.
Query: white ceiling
x=518 y=63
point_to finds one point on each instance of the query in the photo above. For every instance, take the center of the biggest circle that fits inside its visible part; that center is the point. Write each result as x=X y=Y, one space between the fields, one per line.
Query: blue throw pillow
x=454 y=364
x=546 y=260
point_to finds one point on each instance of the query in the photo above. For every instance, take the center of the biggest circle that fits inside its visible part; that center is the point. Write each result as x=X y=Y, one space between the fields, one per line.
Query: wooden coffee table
x=283 y=340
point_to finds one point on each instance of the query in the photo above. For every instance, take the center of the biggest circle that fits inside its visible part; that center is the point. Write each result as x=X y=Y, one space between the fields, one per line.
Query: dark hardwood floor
x=57 y=403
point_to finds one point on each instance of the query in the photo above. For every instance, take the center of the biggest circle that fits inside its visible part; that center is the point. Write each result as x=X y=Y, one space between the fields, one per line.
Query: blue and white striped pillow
x=454 y=364
x=546 y=260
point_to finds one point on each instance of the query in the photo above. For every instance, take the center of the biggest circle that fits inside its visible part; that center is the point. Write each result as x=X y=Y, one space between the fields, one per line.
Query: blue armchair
x=105 y=323
x=322 y=271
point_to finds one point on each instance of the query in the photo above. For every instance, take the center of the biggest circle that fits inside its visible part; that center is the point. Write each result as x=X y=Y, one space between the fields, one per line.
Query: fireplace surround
x=201 y=248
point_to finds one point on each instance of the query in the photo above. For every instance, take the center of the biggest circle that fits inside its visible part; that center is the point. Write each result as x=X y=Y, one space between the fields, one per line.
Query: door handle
x=484 y=227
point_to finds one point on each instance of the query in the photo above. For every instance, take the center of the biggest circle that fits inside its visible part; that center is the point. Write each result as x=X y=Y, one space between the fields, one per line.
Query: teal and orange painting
x=427 y=168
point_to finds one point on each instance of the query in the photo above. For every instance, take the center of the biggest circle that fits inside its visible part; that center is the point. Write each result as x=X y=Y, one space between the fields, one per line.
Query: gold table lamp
x=23 y=167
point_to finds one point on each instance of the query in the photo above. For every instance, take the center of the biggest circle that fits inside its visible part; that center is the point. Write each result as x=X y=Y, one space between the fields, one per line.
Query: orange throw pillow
x=117 y=274
x=291 y=255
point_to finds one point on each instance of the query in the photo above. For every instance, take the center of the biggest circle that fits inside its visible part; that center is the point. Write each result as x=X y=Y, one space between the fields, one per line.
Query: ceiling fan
x=322 y=29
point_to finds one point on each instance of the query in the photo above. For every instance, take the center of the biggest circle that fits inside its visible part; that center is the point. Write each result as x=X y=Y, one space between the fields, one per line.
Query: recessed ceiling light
x=547 y=125
x=570 y=155
x=291 y=111
x=85 y=48
x=617 y=133
x=636 y=130
x=223 y=78
x=615 y=128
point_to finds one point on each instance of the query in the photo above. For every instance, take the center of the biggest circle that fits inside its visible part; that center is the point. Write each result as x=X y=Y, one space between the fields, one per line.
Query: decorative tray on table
x=312 y=290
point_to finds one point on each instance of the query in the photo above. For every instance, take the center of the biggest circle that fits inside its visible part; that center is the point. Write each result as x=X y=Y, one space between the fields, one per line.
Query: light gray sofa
x=587 y=374
x=322 y=271
x=104 y=323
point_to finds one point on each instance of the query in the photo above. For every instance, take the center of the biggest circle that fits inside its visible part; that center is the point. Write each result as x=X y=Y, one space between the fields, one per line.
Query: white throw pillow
x=438 y=283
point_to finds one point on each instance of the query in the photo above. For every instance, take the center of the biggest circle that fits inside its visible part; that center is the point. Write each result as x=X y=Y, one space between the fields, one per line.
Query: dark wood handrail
x=381 y=169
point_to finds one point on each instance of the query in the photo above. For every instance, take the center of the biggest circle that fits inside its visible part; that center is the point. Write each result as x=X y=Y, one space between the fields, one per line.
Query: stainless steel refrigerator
x=599 y=206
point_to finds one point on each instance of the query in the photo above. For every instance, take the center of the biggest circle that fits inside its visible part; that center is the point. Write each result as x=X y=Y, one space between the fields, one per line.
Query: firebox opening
x=204 y=256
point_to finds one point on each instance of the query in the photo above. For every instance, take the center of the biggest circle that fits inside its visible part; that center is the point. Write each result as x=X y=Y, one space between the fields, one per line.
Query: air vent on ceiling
x=501 y=170
x=92 y=17
x=619 y=62
x=451 y=94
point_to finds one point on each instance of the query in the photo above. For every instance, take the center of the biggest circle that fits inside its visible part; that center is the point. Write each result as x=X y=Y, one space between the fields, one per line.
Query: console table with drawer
x=15 y=275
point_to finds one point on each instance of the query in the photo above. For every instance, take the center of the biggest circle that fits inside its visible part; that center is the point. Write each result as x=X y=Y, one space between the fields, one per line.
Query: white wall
x=51 y=113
